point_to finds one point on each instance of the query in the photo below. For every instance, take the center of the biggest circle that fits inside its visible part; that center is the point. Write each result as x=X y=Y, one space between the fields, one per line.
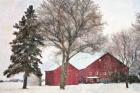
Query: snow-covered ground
x=82 y=88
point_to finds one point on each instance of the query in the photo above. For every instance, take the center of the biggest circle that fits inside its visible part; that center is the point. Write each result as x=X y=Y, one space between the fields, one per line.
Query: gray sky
x=118 y=14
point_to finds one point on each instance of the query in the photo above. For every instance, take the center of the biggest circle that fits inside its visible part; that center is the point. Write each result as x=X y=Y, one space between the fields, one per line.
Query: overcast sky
x=118 y=14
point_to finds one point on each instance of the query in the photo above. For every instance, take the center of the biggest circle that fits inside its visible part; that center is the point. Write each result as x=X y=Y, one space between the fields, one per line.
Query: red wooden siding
x=48 y=80
x=103 y=68
x=53 y=77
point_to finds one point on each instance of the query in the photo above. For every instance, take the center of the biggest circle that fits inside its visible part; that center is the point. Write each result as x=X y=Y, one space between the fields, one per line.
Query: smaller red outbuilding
x=53 y=77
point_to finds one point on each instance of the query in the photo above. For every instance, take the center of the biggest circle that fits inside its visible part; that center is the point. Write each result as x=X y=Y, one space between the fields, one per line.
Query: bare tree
x=136 y=32
x=136 y=25
x=125 y=46
x=72 y=26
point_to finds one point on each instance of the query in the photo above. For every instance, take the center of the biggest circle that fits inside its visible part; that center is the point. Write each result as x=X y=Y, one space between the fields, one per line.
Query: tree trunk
x=40 y=81
x=64 y=72
x=63 y=79
x=126 y=81
x=25 y=80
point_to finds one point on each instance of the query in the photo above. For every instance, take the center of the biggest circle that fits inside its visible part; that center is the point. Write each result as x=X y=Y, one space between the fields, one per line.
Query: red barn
x=101 y=69
x=53 y=77
x=87 y=69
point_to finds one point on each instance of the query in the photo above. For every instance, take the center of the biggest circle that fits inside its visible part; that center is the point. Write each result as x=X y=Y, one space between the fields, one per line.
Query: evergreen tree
x=25 y=47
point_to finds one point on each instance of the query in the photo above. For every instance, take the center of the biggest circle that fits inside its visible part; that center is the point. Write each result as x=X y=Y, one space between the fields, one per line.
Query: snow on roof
x=49 y=59
x=80 y=61
x=52 y=67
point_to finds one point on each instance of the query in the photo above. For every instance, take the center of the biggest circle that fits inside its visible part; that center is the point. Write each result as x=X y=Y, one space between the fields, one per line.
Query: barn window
x=109 y=73
x=100 y=59
x=97 y=73
x=115 y=70
x=104 y=73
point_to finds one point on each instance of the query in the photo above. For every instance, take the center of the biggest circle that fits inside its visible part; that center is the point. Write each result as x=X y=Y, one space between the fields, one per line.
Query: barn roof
x=82 y=60
x=79 y=61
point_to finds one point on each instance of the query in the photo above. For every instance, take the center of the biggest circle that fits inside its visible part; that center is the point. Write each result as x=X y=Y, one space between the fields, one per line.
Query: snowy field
x=82 y=88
